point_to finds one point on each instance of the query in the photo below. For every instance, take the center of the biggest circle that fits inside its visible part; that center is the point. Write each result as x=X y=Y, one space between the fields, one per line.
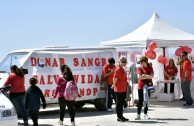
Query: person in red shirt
x=108 y=73
x=61 y=85
x=120 y=87
x=144 y=73
x=186 y=77
x=17 y=92
x=170 y=72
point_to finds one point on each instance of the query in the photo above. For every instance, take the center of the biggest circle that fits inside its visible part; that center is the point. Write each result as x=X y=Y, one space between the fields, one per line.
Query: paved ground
x=161 y=113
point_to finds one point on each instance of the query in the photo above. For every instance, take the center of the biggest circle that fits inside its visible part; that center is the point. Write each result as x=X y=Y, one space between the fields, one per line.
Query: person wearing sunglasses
x=120 y=88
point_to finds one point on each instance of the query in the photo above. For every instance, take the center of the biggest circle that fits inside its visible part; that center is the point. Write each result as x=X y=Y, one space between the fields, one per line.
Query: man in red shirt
x=186 y=77
x=108 y=73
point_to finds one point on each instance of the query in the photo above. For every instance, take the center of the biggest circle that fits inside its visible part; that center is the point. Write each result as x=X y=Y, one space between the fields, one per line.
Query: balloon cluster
x=179 y=50
x=150 y=52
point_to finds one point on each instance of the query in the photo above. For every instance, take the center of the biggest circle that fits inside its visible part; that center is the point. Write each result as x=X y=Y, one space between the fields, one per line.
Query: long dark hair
x=67 y=73
x=17 y=71
x=173 y=62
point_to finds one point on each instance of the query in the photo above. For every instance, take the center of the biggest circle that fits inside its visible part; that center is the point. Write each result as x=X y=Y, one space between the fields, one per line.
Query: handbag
x=147 y=81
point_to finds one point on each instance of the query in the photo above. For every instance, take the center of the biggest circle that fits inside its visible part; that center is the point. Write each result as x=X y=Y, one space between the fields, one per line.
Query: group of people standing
x=117 y=85
x=170 y=73
x=27 y=102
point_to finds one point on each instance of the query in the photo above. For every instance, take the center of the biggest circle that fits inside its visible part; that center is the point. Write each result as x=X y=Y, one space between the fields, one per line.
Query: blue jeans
x=18 y=102
x=110 y=94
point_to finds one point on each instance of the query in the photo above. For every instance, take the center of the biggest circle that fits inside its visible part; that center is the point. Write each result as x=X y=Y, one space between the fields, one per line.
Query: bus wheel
x=79 y=104
x=99 y=103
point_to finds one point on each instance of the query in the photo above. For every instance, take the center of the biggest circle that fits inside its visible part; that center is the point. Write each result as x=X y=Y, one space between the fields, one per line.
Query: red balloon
x=187 y=49
x=162 y=59
x=148 y=53
x=179 y=51
x=152 y=46
x=153 y=56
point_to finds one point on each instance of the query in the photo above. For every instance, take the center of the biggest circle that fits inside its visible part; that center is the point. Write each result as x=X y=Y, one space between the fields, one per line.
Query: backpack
x=71 y=91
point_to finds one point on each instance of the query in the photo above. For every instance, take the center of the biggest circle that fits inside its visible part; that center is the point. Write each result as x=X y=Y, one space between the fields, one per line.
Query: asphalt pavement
x=161 y=113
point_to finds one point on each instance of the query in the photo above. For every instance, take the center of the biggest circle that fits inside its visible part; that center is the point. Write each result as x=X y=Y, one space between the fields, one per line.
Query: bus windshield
x=12 y=59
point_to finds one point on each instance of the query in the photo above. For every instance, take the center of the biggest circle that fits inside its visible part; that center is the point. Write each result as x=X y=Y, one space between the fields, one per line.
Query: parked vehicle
x=8 y=116
x=44 y=64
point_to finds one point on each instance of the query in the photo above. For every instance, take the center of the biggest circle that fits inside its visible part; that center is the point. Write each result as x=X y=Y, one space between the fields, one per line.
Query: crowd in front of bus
x=28 y=101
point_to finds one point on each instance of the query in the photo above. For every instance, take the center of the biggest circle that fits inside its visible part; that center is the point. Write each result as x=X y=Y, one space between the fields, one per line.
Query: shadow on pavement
x=21 y=124
x=170 y=119
x=148 y=122
x=84 y=112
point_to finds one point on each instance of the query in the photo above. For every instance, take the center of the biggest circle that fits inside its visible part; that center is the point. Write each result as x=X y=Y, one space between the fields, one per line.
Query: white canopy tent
x=155 y=29
x=165 y=35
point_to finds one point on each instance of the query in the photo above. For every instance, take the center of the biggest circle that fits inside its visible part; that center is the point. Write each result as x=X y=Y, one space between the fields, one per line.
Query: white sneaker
x=109 y=110
x=138 y=117
x=72 y=124
x=60 y=122
x=146 y=116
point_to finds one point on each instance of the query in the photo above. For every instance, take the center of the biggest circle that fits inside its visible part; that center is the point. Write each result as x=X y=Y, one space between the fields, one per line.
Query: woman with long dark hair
x=145 y=74
x=170 y=72
x=17 y=92
x=61 y=85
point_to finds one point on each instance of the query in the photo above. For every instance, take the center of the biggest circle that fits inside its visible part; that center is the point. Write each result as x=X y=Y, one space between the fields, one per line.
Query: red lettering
x=103 y=61
x=88 y=92
x=48 y=61
x=95 y=90
x=83 y=62
x=46 y=93
x=62 y=61
x=97 y=61
x=90 y=61
x=33 y=61
x=55 y=63
x=53 y=92
x=76 y=62
x=49 y=80
x=81 y=92
x=76 y=78
x=55 y=78
x=97 y=79
x=83 y=79
x=90 y=79
x=42 y=80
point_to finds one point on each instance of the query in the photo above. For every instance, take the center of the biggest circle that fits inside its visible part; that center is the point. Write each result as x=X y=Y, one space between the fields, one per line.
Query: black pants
x=34 y=116
x=110 y=96
x=120 y=101
x=140 y=104
x=171 y=88
x=70 y=104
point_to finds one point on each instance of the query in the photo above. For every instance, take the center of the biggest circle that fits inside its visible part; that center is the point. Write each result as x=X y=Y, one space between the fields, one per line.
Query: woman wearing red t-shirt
x=170 y=72
x=144 y=73
x=17 y=92
x=120 y=87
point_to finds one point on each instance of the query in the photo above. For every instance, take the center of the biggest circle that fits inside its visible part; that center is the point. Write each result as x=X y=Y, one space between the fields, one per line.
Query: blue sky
x=79 y=23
